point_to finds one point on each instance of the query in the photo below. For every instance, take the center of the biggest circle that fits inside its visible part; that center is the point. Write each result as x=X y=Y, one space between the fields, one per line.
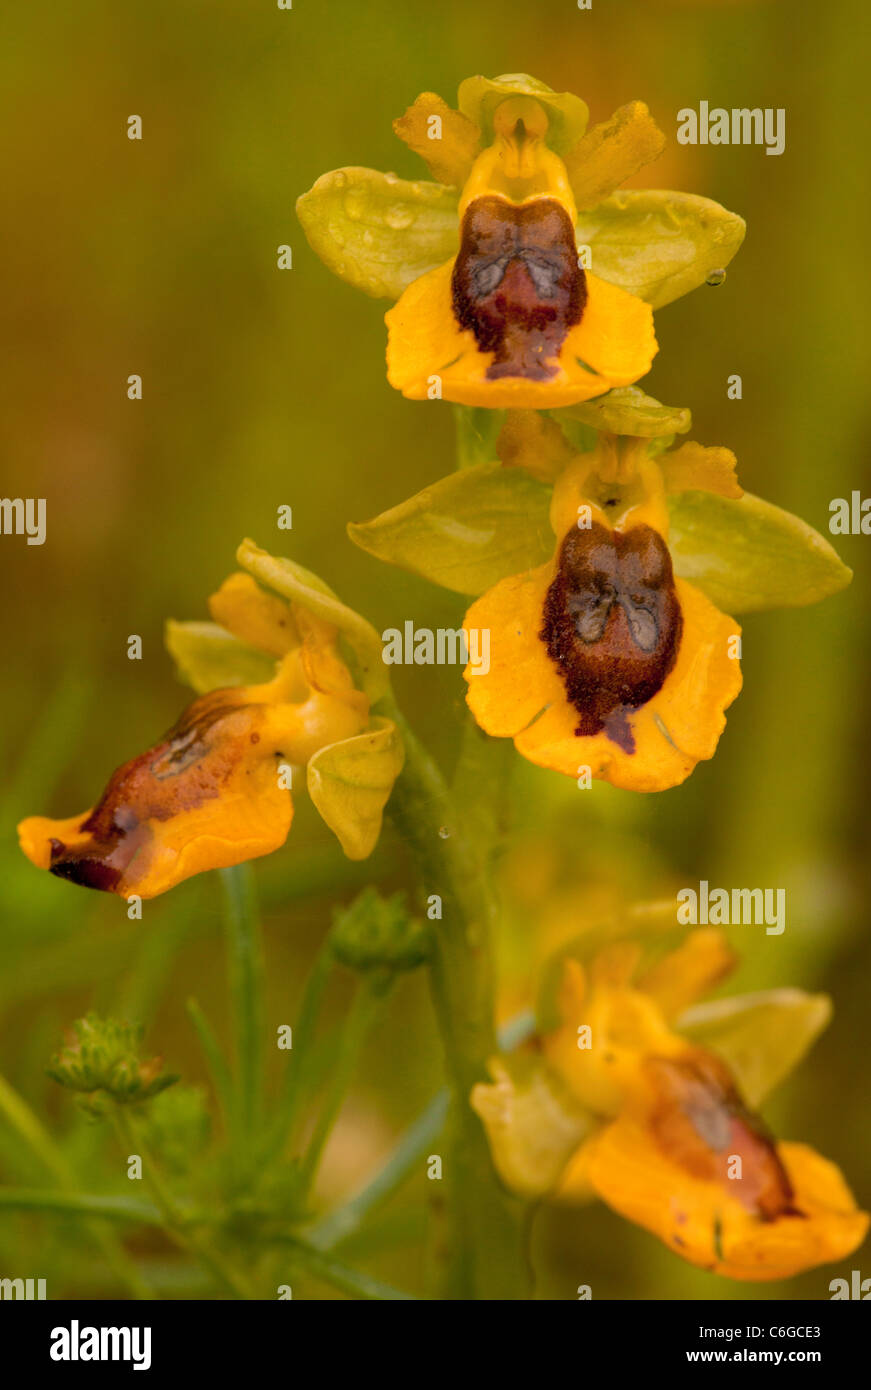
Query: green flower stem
x=21 y=1118
x=80 y=1204
x=177 y=1221
x=367 y=1001
x=486 y=1257
x=412 y=1147
x=477 y=429
x=219 y=1071
x=297 y=1071
x=332 y=1271
x=246 y=973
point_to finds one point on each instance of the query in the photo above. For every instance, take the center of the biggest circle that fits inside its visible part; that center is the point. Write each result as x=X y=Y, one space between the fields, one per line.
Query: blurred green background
x=264 y=387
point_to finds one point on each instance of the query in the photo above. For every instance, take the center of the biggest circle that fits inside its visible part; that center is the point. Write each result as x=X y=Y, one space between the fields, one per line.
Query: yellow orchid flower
x=602 y=658
x=498 y=304
x=624 y=1104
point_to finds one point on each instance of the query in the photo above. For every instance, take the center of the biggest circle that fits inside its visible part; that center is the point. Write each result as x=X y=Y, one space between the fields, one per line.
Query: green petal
x=478 y=98
x=350 y=782
x=208 y=657
x=626 y=410
x=299 y=585
x=377 y=231
x=659 y=245
x=749 y=555
x=762 y=1036
x=467 y=531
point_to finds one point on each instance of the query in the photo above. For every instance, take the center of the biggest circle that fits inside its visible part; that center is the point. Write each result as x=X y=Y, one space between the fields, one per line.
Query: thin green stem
x=332 y=1271
x=245 y=970
x=297 y=1072
x=411 y=1148
x=177 y=1221
x=341 y=1223
x=359 y=1019
x=219 y=1071
x=477 y=431
x=80 y=1204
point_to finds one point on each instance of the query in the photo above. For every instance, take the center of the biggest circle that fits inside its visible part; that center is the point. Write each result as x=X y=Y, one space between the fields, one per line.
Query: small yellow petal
x=693 y=467
x=611 y=152
x=262 y=620
x=451 y=153
x=694 y=969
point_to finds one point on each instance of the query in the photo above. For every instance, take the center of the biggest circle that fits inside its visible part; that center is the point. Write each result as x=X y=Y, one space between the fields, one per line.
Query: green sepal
x=467 y=531
x=208 y=657
x=748 y=555
x=658 y=245
x=298 y=585
x=761 y=1037
x=478 y=98
x=627 y=410
x=377 y=231
x=350 y=783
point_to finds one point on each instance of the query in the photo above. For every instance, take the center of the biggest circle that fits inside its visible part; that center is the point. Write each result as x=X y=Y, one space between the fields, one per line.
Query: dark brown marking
x=612 y=624
x=700 y=1121
x=517 y=283
x=189 y=766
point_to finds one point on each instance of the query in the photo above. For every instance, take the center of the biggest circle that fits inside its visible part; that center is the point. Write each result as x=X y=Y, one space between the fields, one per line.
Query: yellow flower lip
x=207 y=796
x=602 y=659
x=187 y=803
x=730 y=1199
x=555 y=359
x=211 y=793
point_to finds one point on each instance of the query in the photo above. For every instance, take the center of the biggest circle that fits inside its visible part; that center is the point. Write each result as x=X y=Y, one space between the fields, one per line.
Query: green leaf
x=208 y=657
x=350 y=783
x=467 y=531
x=659 y=245
x=627 y=410
x=749 y=555
x=761 y=1037
x=478 y=98
x=298 y=585
x=377 y=231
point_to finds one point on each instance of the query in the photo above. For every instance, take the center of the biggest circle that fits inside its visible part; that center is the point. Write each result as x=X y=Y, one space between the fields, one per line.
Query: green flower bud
x=101 y=1055
x=377 y=933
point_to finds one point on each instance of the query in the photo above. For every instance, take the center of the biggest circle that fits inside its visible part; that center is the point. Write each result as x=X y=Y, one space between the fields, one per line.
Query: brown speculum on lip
x=612 y=623
x=701 y=1122
x=517 y=283
x=177 y=775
